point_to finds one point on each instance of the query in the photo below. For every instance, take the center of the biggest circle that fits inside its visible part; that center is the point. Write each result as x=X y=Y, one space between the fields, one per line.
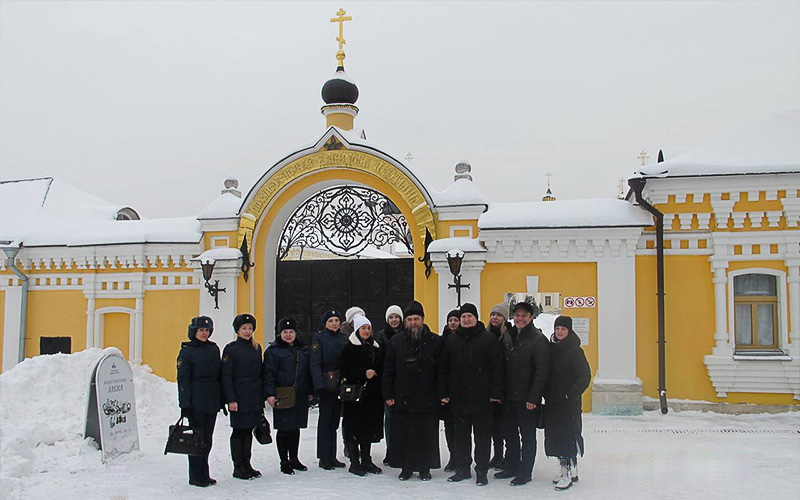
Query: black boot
x=355 y=464
x=294 y=445
x=366 y=460
x=239 y=469
x=247 y=453
x=282 y=440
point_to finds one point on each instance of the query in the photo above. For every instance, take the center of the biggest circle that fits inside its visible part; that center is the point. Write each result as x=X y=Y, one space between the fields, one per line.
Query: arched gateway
x=335 y=161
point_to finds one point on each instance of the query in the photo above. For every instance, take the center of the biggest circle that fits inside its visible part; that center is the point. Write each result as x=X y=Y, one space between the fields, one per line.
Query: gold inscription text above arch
x=353 y=160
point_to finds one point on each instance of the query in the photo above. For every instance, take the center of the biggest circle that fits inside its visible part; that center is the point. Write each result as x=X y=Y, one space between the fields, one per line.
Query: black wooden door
x=306 y=289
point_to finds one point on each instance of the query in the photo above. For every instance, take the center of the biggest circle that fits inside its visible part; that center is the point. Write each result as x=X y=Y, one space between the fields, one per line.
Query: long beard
x=415 y=333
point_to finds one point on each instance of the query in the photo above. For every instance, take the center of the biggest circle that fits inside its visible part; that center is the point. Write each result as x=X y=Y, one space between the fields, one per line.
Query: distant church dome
x=340 y=89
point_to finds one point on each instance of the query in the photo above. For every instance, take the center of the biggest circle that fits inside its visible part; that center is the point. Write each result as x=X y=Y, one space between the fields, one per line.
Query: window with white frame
x=755 y=301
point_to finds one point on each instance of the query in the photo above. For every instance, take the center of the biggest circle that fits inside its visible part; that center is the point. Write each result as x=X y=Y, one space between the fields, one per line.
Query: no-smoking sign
x=580 y=302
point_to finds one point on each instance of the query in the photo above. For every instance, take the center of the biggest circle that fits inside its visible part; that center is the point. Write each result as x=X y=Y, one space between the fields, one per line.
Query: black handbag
x=185 y=440
x=262 y=432
x=351 y=392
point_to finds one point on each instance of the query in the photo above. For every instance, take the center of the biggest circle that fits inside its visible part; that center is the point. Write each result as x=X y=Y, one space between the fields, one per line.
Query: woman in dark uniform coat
x=362 y=421
x=286 y=364
x=199 y=392
x=242 y=389
x=569 y=377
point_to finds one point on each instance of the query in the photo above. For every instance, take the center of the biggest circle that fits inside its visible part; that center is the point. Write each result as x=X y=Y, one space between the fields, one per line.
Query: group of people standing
x=487 y=385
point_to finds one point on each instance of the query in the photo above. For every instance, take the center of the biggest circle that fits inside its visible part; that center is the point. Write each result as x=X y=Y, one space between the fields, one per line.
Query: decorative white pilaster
x=11 y=326
x=721 y=334
x=616 y=389
x=793 y=281
x=471 y=269
x=90 y=307
x=136 y=344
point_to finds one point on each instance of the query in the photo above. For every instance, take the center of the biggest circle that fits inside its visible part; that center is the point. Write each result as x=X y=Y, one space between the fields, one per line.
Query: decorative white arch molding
x=783 y=317
x=134 y=330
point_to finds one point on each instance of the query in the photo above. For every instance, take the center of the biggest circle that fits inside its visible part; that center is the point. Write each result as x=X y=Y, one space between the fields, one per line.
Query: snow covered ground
x=680 y=455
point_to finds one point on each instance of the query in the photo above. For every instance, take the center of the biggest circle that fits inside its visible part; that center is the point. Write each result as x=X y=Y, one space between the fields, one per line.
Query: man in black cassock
x=410 y=389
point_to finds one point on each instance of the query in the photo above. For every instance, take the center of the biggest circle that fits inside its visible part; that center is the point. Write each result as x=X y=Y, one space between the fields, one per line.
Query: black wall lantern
x=454 y=260
x=213 y=290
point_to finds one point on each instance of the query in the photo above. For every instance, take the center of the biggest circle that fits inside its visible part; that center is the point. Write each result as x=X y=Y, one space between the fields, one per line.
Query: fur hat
x=469 y=308
x=359 y=321
x=350 y=313
x=394 y=310
x=414 y=308
x=522 y=305
x=330 y=314
x=564 y=321
x=501 y=309
x=455 y=313
x=200 y=322
x=287 y=323
x=241 y=319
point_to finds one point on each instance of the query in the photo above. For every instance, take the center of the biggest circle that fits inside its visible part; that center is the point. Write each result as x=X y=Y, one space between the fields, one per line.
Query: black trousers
x=198 y=465
x=497 y=430
x=520 y=422
x=330 y=412
x=468 y=425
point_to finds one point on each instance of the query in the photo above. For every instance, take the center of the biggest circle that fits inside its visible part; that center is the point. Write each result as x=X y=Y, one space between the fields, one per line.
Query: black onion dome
x=340 y=89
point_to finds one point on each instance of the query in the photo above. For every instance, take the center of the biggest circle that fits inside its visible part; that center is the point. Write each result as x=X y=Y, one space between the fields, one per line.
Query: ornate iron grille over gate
x=345 y=220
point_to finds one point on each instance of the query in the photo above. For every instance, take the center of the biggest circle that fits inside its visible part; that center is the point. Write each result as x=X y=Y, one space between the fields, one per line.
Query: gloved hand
x=186 y=412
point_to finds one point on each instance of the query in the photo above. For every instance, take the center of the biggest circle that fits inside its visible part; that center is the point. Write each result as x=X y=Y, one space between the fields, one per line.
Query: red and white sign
x=580 y=302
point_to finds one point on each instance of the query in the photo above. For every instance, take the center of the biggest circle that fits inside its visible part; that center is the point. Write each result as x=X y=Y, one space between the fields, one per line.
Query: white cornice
x=559 y=245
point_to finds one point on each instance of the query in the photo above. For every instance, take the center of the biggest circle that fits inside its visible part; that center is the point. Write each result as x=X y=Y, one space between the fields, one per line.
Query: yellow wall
x=166 y=317
x=689 y=329
x=116 y=332
x=570 y=279
x=443 y=228
x=55 y=313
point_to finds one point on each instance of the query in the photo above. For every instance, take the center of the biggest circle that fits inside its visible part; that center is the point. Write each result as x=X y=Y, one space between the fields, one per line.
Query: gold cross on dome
x=341 y=19
x=548 y=175
x=643 y=157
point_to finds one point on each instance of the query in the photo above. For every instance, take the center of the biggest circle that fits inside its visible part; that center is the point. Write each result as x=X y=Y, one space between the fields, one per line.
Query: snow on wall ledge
x=598 y=212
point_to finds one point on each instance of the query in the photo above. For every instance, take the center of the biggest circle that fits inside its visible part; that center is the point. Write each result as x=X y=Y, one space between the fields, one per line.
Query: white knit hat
x=348 y=315
x=394 y=310
x=359 y=321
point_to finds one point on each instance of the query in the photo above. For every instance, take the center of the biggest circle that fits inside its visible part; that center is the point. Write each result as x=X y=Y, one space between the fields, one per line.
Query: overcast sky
x=153 y=103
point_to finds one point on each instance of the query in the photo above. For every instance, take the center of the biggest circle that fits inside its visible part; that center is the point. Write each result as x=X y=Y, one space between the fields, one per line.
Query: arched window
x=755 y=299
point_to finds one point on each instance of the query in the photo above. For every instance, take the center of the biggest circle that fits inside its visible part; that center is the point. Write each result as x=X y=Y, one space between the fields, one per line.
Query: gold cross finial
x=341 y=19
x=548 y=175
x=643 y=157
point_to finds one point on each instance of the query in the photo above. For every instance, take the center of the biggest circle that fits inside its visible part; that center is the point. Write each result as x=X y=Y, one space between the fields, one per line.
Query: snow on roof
x=463 y=244
x=216 y=254
x=224 y=206
x=459 y=193
x=49 y=212
x=772 y=146
x=597 y=212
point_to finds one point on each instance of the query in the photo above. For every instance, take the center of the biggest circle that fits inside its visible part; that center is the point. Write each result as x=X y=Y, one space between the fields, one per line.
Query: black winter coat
x=410 y=372
x=241 y=375
x=385 y=336
x=471 y=370
x=570 y=375
x=363 y=420
x=280 y=360
x=527 y=360
x=198 y=377
x=326 y=354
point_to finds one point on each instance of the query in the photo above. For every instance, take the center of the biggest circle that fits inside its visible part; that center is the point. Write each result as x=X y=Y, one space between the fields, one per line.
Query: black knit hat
x=241 y=319
x=287 y=323
x=564 y=321
x=455 y=313
x=522 y=305
x=414 y=308
x=330 y=314
x=469 y=308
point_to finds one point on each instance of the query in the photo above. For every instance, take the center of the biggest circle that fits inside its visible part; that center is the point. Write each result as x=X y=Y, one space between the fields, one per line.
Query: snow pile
x=597 y=212
x=43 y=410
